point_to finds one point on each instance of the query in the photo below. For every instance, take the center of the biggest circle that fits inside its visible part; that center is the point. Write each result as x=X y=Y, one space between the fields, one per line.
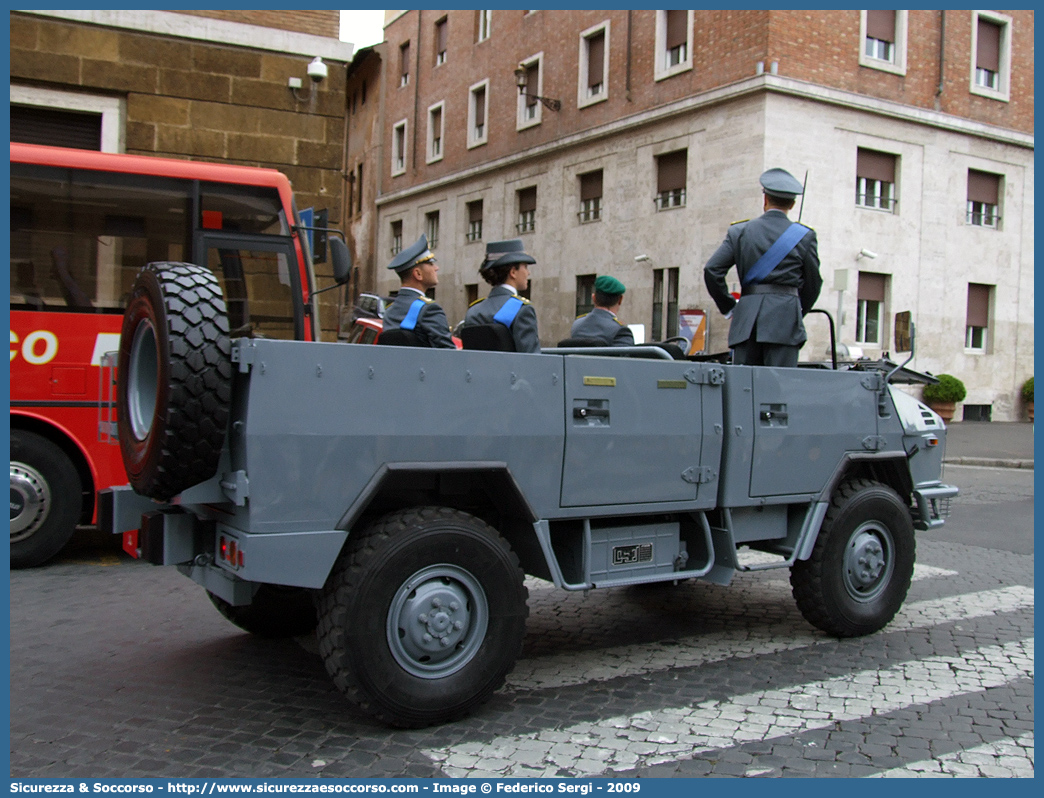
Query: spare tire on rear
x=174 y=380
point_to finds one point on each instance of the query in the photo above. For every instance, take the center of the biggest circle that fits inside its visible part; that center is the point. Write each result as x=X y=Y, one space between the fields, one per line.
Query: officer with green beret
x=506 y=268
x=413 y=309
x=778 y=265
x=601 y=324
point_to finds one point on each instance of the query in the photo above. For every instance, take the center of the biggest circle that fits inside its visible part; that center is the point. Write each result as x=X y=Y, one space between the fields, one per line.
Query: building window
x=870 y=299
x=396 y=237
x=441 y=29
x=404 y=64
x=978 y=317
x=665 y=304
x=529 y=108
x=470 y=294
x=883 y=37
x=875 y=180
x=673 y=43
x=983 y=199
x=435 y=130
x=991 y=55
x=585 y=293
x=670 y=180
x=594 y=65
x=482 y=25
x=477 y=132
x=359 y=187
x=399 y=148
x=526 y=210
x=590 y=197
x=474 y=232
x=431 y=228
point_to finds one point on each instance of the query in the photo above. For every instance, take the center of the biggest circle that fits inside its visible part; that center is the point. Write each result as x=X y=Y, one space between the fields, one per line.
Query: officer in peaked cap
x=506 y=268
x=601 y=324
x=778 y=266
x=412 y=309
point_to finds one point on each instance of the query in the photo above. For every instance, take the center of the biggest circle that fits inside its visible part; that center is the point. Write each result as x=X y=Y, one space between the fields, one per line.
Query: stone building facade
x=915 y=131
x=207 y=85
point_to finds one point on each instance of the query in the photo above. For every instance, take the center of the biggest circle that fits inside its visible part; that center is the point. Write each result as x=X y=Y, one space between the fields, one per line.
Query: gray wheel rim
x=437 y=621
x=142 y=380
x=869 y=561
x=30 y=501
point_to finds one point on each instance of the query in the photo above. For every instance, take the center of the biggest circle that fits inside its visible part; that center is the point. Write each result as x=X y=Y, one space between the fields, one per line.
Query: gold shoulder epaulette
x=476 y=302
x=741 y=221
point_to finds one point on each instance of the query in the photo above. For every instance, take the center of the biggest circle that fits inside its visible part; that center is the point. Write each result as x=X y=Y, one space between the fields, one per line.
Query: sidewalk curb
x=990 y=461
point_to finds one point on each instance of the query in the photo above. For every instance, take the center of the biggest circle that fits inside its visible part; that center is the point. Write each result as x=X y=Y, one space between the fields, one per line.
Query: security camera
x=317 y=70
x=865 y=253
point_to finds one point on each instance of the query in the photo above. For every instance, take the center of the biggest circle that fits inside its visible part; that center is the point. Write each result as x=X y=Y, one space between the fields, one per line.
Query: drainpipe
x=942 y=59
x=627 y=94
x=416 y=90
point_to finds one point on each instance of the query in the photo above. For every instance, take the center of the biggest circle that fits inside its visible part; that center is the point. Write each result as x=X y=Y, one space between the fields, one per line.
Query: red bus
x=82 y=225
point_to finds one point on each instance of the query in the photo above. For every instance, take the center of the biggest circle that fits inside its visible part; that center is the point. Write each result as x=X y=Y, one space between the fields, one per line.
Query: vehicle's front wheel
x=423 y=616
x=276 y=611
x=862 y=563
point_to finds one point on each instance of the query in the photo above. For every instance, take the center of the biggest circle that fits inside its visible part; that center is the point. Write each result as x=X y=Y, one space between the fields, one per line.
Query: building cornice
x=769 y=84
x=185 y=26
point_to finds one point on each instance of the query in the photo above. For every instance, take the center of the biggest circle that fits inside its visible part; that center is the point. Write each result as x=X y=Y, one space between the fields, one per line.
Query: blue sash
x=508 y=311
x=410 y=322
x=775 y=254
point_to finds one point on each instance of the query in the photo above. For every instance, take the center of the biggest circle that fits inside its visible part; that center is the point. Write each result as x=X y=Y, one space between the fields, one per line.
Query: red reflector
x=130 y=542
x=240 y=558
x=222 y=548
x=232 y=552
x=212 y=220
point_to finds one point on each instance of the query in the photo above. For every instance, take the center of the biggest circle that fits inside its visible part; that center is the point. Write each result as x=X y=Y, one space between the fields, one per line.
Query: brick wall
x=316 y=23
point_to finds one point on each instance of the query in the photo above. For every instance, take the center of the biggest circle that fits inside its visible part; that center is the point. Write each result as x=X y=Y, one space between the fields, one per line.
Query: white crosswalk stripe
x=671 y=734
x=1007 y=758
x=580 y=667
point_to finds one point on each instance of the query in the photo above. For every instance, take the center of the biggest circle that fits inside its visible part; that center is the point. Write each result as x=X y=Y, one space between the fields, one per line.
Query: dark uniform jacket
x=602 y=325
x=777 y=315
x=432 y=327
x=523 y=329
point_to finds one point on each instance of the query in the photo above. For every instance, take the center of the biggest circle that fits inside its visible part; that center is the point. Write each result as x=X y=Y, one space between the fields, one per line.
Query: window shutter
x=527 y=199
x=671 y=171
x=987 y=48
x=881 y=25
x=475 y=211
x=440 y=36
x=436 y=123
x=595 y=56
x=871 y=286
x=591 y=185
x=480 y=107
x=532 y=83
x=32 y=125
x=978 y=305
x=983 y=187
x=875 y=165
x=404 y=59
x=676 y=24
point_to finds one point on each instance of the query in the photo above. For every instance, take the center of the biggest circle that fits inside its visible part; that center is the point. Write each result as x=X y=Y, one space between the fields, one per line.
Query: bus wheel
x=276 y=611
x=45 y=499
x=423 y=616
x=174 y=381
x=862 y=562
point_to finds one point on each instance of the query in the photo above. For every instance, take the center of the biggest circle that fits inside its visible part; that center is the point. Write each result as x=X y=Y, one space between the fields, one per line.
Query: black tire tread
x=345 y=577
x=199 y=386
x=806 y=576
x=276 y=612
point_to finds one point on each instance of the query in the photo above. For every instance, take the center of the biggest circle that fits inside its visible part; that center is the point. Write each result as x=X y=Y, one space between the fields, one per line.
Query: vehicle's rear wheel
x=423 y=616
x=862 y=564
x=276 y=611
x=174 y=382
x=46 y=499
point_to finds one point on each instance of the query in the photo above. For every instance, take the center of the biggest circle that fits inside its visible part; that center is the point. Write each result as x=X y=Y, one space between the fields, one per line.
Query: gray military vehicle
x=394 y=498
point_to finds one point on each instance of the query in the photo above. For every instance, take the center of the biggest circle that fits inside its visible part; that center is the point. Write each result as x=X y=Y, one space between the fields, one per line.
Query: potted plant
x=944 y=396
x=1027 y=396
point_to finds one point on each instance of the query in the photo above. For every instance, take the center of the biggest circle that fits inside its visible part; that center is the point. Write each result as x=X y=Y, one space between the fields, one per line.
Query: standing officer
x=778 y=265
x=506 y=268
x=601 y=323
x=412 y=310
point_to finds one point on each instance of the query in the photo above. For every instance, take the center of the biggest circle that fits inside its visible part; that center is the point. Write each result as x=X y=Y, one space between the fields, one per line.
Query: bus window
x=242 y=209
x=258 y=286
x=78 y=238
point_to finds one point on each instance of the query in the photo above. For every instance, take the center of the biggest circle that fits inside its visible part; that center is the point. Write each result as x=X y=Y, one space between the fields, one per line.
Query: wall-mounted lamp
x=522 y=78
x=317 y=72
x=865 y=253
